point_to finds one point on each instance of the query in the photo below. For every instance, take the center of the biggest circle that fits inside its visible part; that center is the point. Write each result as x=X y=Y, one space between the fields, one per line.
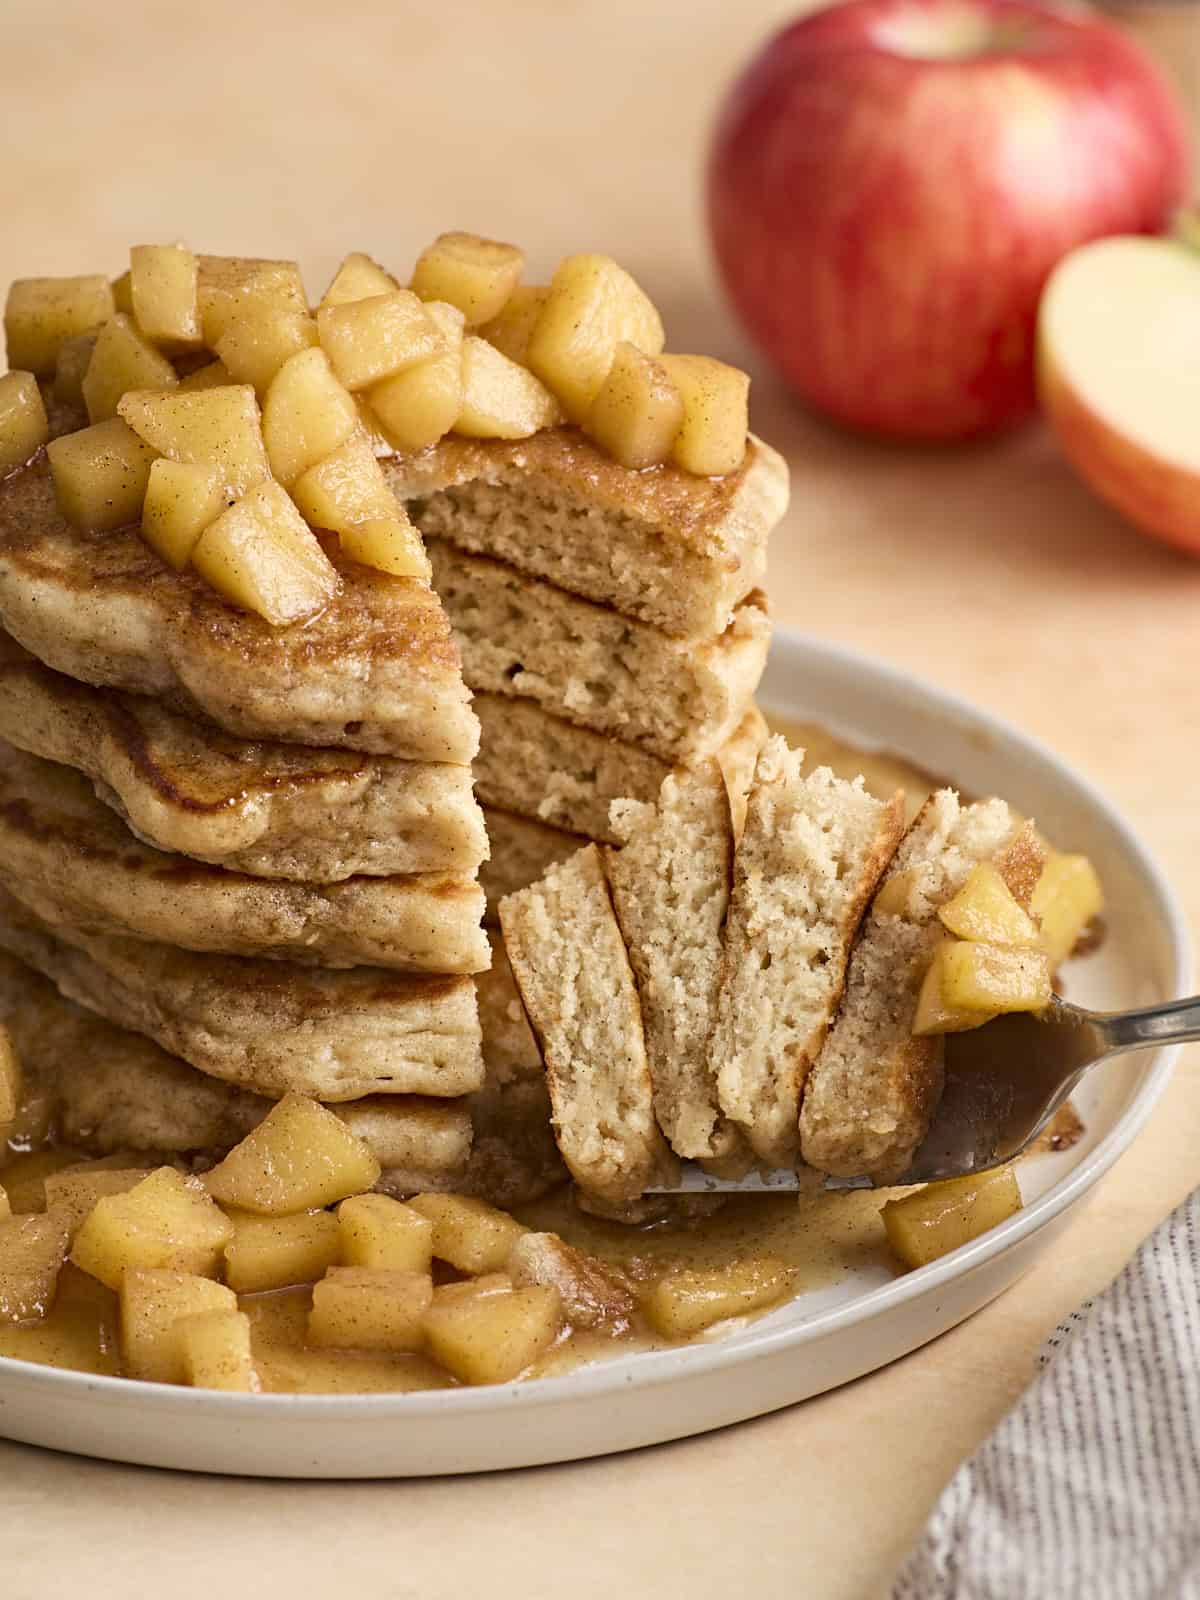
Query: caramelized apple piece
x=942 y=1216
x=215 y=375
x=261 y=555
x=42 y=313
x=259 y=338
x=500 y=399
x=276 y=1252
x=122 y=293
x=32 y=1252
x=214 y=427
x=345 y=488
x=75 y=1192
x=684 y=1303
x=228 y=283
x=299 y=1156
x=216 y=1351
x=154 y=1303
x=167 y=1221
x=493 y=1338
x=24 y=428
x=389 y=544
x=380 y=1232
x=992 y=978
x=1067 y=897
x=367 y=1308
x=358 y=278
x=511 y=330
x=933 y=1013
x=416 y=407
x=716 y=399
x=307 y=414
x=367 y=340
x=638 y=411
x=100 y=475
x=591 y=306
x=476 y=275
x=163 y=282
x=893 y=897
x=74 y=355
x=123 y=359
x=984 y=908
x=469 y=1234
x=594 y=1294
x=182 y=499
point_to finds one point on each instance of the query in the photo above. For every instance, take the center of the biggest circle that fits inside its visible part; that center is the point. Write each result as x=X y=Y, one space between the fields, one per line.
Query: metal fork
x=1004 y=1082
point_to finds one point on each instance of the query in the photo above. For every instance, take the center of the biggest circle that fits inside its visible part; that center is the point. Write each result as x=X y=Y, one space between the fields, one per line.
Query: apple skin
x=884 y=220
x=1158 y=496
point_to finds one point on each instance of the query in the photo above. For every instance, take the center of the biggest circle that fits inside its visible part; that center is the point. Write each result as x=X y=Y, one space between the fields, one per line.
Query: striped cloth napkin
x=1091 y=1486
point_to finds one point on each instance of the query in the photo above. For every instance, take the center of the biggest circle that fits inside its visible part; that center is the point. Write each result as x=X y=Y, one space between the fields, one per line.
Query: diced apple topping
x=377 y=1231
x=165 y=1221
x=1066 y=899
x=501 y=400
x=213 y=375
x=369 y=1308
x=934 y=1013
x=276 y=1252
x=592 y=305
x=389 y=544
x=638 y=411
x=41 y=314
x=215 y=427
x=74 y=355
x=476 y=275
x=970 y=979
x=712 y=438
x=942 y=1216
x=163 y=289
x=345 y=488
x=368 y=340
x=32 y=1252
x=123 y=359
x=682 y=1304
x=307 y=414
x=75 y=1192
x=262 y=556
x=182 y=499
x=512 y=329
x=122 y=293
x=227 y=283
x=493 y=1338
x=216 y=1350
x=416 y=407
x=100 y=475
x=24 y=428
x=260 y=338
x=154 y=1304
x=469 y=1234
x=985 y=908
x=299 y=1156
x=358 y=278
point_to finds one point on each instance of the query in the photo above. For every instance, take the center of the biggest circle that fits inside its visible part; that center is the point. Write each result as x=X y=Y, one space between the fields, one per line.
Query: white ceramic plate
x=814 y=1343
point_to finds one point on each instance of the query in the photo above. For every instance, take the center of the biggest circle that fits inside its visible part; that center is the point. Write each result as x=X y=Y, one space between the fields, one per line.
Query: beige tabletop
x=257 y=127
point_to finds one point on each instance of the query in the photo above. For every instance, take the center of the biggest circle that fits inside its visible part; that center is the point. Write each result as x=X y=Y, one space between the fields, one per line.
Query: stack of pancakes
x=609 y=621
x=246 y=857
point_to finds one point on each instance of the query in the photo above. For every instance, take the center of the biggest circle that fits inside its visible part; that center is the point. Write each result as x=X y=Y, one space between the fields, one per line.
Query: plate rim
x=761 y=1341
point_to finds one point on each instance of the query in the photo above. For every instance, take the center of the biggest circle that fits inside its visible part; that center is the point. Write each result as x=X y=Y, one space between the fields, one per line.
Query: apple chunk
x=100 y=475
x=1117 y=332
x=165 y=1221
x=42 y=313
x=32 y=1252
x=215 y=427
x=182 y=498
x=123 y=359
x=358 y=278
x=367 y=340
x=299 y=1156
x=307 y=414
x=638 y=411
x=476 y=275
x=417 y=406
x=712 y=438
x=163 y=292
x=500 y=399
x=24 y=428
x=592 y=304
x=154 y=1302
x=262 y=556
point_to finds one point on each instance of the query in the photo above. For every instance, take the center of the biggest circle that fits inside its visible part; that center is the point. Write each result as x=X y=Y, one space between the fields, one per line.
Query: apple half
x=1118 y=368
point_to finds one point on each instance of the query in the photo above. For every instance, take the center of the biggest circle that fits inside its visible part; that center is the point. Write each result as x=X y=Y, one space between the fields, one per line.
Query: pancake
x=678 y=552
x=269 y=1026
x=272 y=810
x=678 y=698
x=102 y=1089
x=377 y=670
x=71 y=861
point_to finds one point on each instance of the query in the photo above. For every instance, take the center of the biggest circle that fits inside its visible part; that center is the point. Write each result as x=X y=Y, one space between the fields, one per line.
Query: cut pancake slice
x=377 y=670
x=670 y=887
x=670 y=549
x=104 y=1090
x=521 y=850
x=267 y=1025
x=807 y=864
x=578 y=990
x=678 y=698
x=273 y=810
x=874 y=1088
x=71 y=861
x=539 y=766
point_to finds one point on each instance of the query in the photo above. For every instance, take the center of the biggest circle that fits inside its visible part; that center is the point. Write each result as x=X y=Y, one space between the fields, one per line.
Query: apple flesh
x=1119 y=378
x=891 y=182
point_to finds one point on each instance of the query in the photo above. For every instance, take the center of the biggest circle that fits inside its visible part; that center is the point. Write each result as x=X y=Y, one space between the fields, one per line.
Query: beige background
x=302 y=129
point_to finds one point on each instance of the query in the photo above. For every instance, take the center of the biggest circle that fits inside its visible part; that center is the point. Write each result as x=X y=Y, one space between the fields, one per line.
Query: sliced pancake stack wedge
x=611 y=625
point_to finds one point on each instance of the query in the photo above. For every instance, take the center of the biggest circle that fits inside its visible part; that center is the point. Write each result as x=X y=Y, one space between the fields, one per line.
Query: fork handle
x=1177 y=1022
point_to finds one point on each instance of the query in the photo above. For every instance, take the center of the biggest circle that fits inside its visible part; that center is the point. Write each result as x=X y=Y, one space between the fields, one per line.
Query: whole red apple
x=891 y=181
